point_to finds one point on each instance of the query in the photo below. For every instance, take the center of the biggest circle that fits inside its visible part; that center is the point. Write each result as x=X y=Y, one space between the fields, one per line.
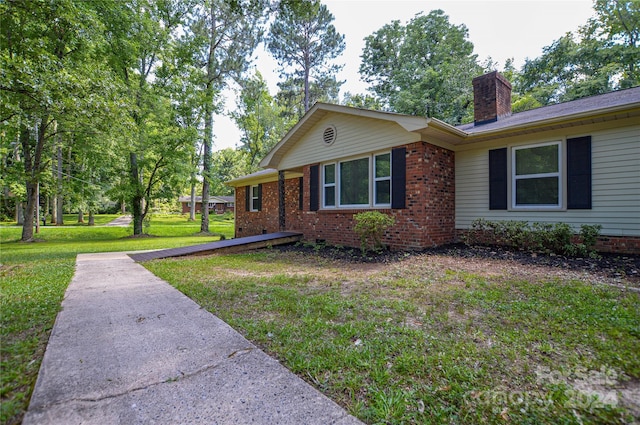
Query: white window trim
x=334 y=185
x=559 y=174
x=371 y=189
x=252 y=198
x=380 y=179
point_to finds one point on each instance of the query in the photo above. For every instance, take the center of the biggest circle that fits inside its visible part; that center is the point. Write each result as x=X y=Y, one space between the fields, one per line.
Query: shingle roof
x=586 y=105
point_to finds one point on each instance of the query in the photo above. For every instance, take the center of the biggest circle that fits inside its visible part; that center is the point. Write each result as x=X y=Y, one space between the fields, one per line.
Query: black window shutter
x=247 y=198
x=398 y=177
x=259 y=206
x=579 y=173
x=314 y=177
x=301 y=193
x=498 y=179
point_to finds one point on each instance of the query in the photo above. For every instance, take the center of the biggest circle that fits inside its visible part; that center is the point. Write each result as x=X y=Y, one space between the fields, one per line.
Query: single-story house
x=219 y=204
x=576 y=162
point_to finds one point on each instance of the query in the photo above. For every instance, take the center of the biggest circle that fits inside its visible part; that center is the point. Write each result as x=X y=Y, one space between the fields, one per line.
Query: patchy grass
x=34 y=277
x=432 y=338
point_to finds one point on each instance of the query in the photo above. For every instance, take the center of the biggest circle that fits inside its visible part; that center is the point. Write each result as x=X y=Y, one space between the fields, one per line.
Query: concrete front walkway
x=128 y=348
x=122 y=221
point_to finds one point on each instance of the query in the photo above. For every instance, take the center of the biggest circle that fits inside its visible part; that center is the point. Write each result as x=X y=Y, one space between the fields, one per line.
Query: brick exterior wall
x=251 y=223
x=428 y=219
x=293 y=213
x=619 y=244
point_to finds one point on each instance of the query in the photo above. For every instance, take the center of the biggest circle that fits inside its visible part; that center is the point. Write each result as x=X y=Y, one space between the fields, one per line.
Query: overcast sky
x=500 y=29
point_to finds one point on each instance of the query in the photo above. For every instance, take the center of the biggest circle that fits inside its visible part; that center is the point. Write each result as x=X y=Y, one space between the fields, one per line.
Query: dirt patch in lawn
x=611 y=269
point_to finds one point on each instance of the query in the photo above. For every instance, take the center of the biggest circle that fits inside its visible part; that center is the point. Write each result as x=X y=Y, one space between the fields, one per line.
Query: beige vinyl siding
x=615 y=186
x=355 y=136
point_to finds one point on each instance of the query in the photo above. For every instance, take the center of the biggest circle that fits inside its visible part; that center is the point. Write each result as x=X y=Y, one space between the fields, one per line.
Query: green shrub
x=589 y=234
x=370 y=227
x=536 y=237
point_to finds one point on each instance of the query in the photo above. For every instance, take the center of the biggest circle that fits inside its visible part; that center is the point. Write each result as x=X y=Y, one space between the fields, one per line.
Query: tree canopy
x=305 y=42
x=422 y=68
x=602 y=56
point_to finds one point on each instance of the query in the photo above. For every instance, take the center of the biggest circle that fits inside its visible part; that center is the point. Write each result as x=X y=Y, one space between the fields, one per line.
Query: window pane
x=383 y=165
x=538 y=160
x=330 y=196
x=254 y=191
x=383 y=192
x=330 y=173
x=354 y=182
x=254 y=204
x=542 y=191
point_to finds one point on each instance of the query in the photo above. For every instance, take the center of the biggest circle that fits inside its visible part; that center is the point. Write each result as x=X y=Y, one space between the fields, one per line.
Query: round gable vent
x=329 y=135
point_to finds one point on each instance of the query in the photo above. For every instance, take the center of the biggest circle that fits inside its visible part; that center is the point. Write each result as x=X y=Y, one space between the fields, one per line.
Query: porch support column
x=282 y=221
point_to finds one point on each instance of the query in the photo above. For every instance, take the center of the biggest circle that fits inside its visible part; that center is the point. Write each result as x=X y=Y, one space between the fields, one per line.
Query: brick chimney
x=491 y=98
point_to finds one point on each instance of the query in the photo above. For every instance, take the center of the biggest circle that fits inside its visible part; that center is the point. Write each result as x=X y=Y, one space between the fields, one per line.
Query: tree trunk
x=192 y=208
x=59 y=189
x=30 y=212
x=19 y=212
x=54 y=212
x=92 y=219
x=45 y=211
x=137 y=198
x=204 y=223
x=306 y=87
x=32 y=166
x=37 y=207
x=80 y=216
x=208 y=125
x=123 y=207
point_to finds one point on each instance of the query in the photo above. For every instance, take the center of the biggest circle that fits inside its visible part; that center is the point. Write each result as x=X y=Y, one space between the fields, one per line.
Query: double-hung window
x=255 y=198
x=357 y=183
x=329 y=186
x=543 y=176
x=536 y=174
x=382 y=179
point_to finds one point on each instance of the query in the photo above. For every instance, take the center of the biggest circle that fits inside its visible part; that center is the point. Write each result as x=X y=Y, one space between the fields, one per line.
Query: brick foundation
x=619 y=244
x=604 y=244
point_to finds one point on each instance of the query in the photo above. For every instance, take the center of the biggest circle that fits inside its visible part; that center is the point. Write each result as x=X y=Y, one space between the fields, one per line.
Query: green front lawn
x=432 y=339
x=34 y=277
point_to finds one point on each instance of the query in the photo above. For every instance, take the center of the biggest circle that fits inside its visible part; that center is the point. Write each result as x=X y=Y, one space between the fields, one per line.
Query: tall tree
x=603 y=55
x=51 y=72
x=260 y=118
x=618 y=23
x=180 y=80
x=362 y=101
x=227 y=164
x=291 y=94
x=422 y=68
x=140 y=35
x=305 y=42
x=222 y=35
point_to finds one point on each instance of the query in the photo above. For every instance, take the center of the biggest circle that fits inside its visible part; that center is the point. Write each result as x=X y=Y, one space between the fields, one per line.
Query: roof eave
x=550 y=123
x=265 y=176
